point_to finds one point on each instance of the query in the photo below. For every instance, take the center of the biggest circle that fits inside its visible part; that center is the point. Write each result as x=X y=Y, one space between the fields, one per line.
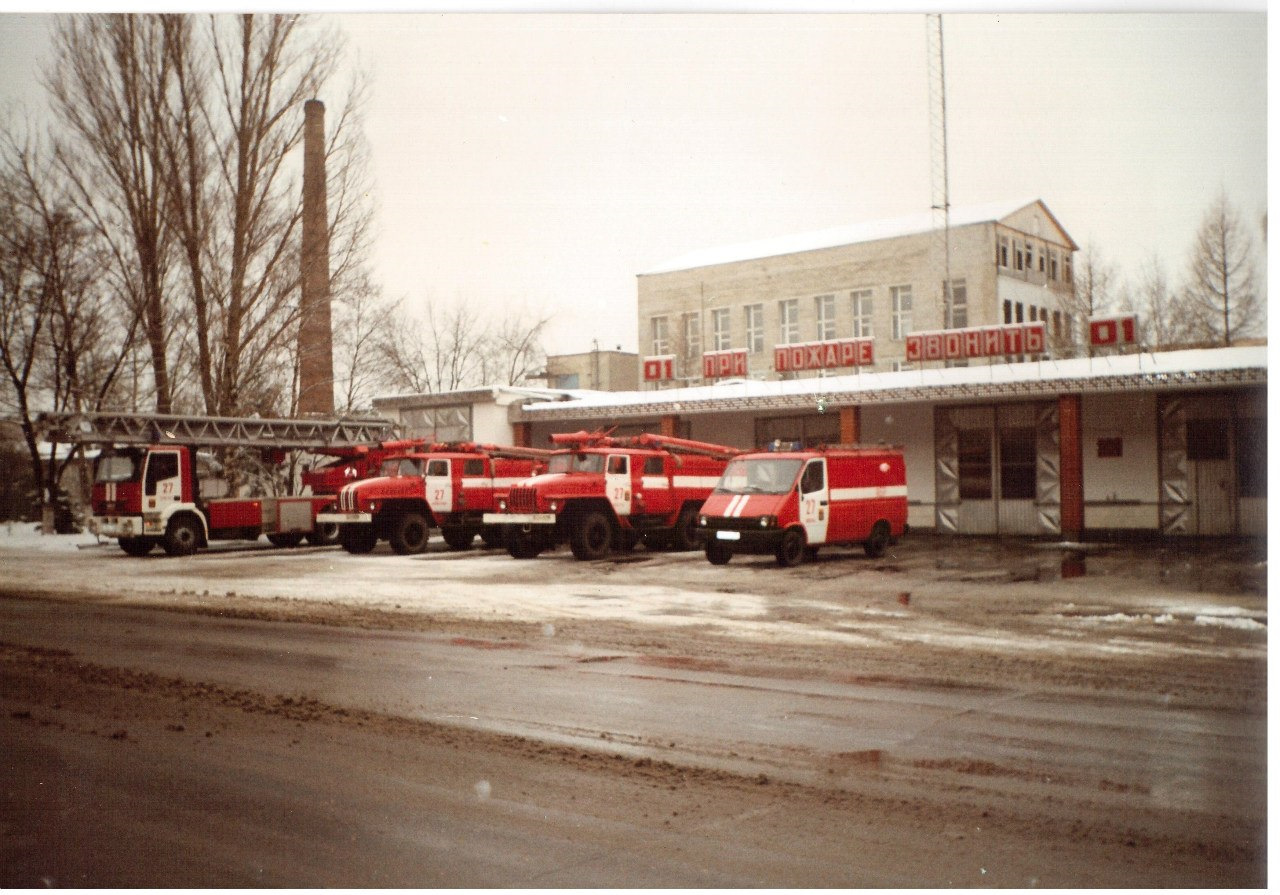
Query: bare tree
x=1221 y=291
x=1162 y=315
x=360 y=368
x=60 y=345
x=108 y=80
x=1094 y=281
x=454 y=348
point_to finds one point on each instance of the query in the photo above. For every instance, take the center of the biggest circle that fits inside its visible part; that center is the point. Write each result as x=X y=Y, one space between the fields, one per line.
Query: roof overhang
x=1146 y=372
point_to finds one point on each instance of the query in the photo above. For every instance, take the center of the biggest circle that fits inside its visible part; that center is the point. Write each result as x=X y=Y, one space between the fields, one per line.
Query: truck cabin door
x=815 y=501
x=162 y=484
x=617 y=483
x=439 y=486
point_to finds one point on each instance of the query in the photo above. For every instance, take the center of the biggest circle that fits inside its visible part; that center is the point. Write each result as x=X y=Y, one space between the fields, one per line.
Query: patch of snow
x=1219 y=621
x=25 y=537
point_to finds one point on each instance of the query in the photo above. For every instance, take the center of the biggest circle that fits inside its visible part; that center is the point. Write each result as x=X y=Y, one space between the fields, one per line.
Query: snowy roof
x=494 y=393
x=851 y=234
x=1154 y=371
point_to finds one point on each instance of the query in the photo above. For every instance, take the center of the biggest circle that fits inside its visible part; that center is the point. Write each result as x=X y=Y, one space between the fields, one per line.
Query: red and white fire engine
x=448 y=486
x=790 y=503
x=153 y=486
x=601 y=491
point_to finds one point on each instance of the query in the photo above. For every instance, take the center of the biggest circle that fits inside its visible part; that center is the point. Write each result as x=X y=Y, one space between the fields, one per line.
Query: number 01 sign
x=1113 y=330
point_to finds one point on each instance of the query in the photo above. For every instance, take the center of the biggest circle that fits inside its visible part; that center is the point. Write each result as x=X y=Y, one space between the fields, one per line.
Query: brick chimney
x=315 y=334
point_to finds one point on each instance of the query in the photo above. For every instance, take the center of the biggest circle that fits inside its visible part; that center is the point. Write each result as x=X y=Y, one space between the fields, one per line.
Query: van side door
x=815 y=501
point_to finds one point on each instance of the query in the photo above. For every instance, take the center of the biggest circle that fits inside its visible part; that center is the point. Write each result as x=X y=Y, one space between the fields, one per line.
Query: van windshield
x=576 y=463
x=763 y=475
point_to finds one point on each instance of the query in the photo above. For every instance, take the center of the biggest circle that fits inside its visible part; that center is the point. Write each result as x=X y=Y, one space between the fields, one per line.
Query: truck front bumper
x=116 y=526
x=749 y=540
x=344 y=519
x=519 y=518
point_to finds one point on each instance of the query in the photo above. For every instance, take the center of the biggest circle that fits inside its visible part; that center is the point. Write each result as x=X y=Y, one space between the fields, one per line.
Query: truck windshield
x=116 y=468
x=759 y=476
x=576 y=463
x=401 y=466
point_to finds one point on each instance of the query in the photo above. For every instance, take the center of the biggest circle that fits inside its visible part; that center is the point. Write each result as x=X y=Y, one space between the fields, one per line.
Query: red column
x=668 y=426
x=850 y=425
x=1071 y=467
x=522 y=434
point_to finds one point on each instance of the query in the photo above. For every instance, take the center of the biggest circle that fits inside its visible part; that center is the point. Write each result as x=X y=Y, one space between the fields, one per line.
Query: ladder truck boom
x=211 y=431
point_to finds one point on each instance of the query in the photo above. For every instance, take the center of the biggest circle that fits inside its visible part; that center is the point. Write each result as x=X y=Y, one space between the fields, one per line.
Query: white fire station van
x=790 y=503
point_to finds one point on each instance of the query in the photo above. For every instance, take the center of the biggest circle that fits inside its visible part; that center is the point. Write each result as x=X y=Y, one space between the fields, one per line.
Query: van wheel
x=591 y=537
x=286 y=539
x=325 y=535
x=409 y=533
x=182 y=538
x=879 y=539
x=136 y=546
x=458 y=538
x=717 y=553
x=791 y=548
x=685 y=535
x=357 y=538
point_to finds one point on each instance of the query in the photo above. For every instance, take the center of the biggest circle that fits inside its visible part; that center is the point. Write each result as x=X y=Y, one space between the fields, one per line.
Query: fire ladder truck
x=152 y=486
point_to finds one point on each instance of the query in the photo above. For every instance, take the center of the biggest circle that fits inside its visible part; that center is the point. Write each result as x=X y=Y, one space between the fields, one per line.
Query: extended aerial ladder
x=210 y=431
x=645 y=440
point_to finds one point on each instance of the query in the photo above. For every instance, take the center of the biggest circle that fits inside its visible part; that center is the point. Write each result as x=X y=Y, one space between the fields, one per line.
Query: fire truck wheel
x=492 y=536
x=879 y=539
x=717 y=553
x=685 y=536
x=357 y=538
x=136 y=546
x=592 y=536
x=182 y=538
x=522 y=545
x=325 y=535
x=790 y=550
x=409 y=533
x=458 y=538
x=286 y=539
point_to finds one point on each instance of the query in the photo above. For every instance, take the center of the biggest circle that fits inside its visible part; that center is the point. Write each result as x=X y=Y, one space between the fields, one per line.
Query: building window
x=1053 y=264
x=1017 y=255
x=825 y=306
x=1041 y=258
x=661 y=336
x=1017 y=312
x=692 y=335
x=901 y=298
x=862 y=314
x=959 y=305
x=974 y=447
x=1008 y=311
x=1066 y=267
x=720 y=336
x=1002 y=253
x=1018 y=463
x=1251 y=456
x=1207 y=440
x=755 y=328
x=788 y=321
x=1057 y=324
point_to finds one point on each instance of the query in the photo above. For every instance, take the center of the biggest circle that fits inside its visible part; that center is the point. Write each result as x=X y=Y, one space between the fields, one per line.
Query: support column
x=668 y=426
x=1071 y=467
x=850 y=425
x=522 y=434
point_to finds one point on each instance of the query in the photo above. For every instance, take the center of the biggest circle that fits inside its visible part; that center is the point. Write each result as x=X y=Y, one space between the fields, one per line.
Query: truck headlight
x=702 y=520
x=502 y=506
x=768 y=521
x=554 y=506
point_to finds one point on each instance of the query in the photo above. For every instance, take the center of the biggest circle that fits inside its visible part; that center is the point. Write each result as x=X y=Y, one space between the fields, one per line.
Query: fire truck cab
x=790 y=503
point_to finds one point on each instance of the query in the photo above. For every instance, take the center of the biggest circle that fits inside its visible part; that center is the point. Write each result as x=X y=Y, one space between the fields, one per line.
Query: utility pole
x=938 y=154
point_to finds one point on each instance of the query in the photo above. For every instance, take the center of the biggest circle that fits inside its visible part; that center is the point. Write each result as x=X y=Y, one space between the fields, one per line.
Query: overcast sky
x=544 y=160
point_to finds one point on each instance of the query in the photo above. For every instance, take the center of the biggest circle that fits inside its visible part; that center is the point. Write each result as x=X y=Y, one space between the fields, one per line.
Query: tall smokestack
x=315 y=335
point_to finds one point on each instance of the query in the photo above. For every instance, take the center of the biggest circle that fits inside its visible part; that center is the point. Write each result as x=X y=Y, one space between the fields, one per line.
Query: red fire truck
x=790 y=503
x=448 y=486
x=600 y=492
x=152 y=485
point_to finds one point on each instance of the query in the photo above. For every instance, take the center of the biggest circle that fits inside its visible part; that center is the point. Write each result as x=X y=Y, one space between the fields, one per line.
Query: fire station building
x=1170 y=443
x=854 y=297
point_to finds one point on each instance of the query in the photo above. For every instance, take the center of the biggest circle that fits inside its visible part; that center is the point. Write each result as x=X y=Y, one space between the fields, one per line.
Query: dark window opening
x=1207 y=440
x=975 y=464
x=1110 y=447
x=1018 y=463
x=653 y=466
x=813 y=478
x=473 y=467
x=160 y=467
x=1251 y=457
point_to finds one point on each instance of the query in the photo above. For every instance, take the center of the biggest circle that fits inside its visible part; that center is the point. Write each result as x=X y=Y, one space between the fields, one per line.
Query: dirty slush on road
x=1158 y=627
